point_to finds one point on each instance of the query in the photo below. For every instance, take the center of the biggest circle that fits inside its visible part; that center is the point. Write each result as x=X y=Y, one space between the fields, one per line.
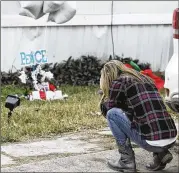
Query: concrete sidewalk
x=79 y=152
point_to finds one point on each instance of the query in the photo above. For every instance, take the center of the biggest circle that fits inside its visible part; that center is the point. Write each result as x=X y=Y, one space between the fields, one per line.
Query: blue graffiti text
x=38 y=57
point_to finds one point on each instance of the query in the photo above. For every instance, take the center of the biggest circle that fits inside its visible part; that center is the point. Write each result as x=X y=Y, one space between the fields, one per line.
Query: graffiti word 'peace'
x=37 y=57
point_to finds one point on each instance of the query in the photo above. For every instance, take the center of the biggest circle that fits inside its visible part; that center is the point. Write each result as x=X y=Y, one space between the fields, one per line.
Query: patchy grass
x=48 y=118
x=43 y=118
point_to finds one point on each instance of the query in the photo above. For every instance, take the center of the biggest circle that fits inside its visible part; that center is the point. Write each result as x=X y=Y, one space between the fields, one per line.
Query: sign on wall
x=32 y=58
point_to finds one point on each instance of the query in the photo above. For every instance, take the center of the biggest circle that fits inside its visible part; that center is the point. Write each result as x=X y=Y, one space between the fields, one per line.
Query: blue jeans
x=121 y=129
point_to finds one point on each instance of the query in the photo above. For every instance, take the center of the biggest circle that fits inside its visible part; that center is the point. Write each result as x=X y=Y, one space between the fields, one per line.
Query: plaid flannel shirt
x=142 y=101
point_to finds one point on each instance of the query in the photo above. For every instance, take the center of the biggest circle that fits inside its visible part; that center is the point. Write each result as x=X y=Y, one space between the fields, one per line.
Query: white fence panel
x=148 y=43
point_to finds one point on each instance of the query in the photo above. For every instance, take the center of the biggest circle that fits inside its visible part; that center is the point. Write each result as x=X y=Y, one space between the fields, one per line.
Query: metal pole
x=8 y=122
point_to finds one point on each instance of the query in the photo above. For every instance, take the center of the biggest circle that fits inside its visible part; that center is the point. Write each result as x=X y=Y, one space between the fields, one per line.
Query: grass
x=43 y=118
x=47 y=118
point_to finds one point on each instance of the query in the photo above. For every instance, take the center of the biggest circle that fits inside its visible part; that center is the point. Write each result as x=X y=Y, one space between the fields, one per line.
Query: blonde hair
x=111 y=71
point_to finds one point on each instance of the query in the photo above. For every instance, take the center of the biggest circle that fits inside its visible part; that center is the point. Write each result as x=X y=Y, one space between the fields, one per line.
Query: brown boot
x=127 y=160
x=159 y=161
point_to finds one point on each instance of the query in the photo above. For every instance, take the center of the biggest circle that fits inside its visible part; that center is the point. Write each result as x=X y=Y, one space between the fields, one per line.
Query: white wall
x=124 y=7
x=103 y=7
x=142 y=30
x=99 y=13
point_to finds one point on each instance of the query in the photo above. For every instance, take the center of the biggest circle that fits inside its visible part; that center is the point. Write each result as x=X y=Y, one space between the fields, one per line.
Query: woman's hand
x=100 y=92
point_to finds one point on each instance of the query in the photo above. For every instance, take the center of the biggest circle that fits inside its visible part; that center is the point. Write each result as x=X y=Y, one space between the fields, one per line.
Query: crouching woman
x=136 y=112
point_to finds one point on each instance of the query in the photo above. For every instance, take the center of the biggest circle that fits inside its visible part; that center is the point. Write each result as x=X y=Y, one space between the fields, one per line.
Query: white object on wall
x=59 y=11
x=32 y=9
x=52 y=6
x=66 y=12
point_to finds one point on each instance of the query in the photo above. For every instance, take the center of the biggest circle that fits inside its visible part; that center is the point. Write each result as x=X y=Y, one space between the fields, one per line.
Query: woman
x=135 y=111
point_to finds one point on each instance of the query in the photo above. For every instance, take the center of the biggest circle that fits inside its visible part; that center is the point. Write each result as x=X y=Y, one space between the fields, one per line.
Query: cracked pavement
x=75 y=152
